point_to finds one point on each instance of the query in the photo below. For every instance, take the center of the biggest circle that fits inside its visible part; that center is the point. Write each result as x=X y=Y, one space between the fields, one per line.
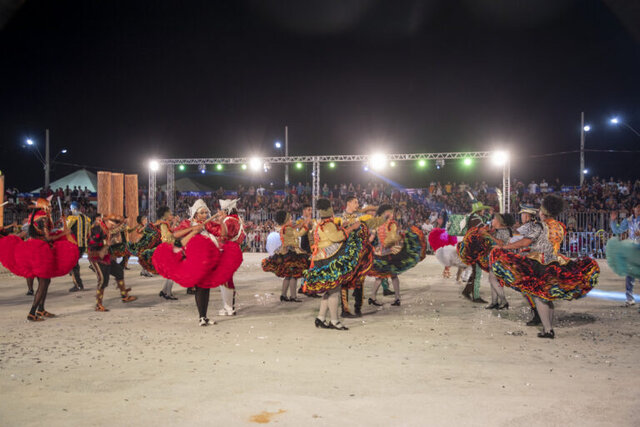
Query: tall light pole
x=46 y=160
x=583 y=130
x=47 y=165
x=286 y=154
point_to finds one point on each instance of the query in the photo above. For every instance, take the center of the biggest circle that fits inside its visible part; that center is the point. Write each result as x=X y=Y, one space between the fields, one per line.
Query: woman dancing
x=289 y=261
x=395 y=253
x=339 y=256
x=205 y=260
x=544 y=273
x=45 y=254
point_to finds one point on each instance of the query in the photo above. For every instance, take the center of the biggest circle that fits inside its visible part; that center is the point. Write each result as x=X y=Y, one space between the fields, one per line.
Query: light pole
x=286 y=154
x=583 y=130
x=617 y=121
x=46 y=160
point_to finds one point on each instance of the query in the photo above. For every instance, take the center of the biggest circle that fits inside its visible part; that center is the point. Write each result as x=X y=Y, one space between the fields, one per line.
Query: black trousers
x=75 y=273
x=103 y=271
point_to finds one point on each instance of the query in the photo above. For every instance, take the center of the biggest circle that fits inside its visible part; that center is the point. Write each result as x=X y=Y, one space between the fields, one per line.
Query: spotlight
x=439 y=163
x=298 y=165
x=64 y=151
x=500 y=158
x=366 y=168
x=154 y=165
x=278 y=144
x=422 y=163
x=613 y=121
x=181 y=168
x=30 y=141
x=202 y=168
x=392 y=164
x=332 y=165
x=378 y=161
x=467 y=161
x=243 y=167
x=587 y=128
x=255 y=163
x=586 y=171
x=219 y=167
x=266 y=167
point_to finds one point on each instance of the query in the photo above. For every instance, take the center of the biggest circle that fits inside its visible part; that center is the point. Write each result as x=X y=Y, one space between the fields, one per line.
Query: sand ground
x=436 y=360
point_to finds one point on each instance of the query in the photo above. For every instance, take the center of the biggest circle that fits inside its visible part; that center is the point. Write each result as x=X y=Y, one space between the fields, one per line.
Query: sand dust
x=436 y=360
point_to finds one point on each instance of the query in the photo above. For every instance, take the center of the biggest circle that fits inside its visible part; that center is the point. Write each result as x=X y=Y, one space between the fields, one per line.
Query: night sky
x=120 y=82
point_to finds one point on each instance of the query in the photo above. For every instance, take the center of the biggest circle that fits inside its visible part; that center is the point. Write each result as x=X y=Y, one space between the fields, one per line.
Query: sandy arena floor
x=436 y=360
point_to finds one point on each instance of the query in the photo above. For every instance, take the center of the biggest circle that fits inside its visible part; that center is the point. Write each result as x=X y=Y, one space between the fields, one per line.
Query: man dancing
x=103 y=262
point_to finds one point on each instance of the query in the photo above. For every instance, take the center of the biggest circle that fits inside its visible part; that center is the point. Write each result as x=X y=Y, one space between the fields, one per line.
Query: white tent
x=185 y=185
x=80 y=178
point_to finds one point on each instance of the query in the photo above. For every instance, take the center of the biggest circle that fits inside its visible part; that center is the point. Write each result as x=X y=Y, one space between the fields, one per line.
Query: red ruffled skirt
x=37 y=258
x=200 y=263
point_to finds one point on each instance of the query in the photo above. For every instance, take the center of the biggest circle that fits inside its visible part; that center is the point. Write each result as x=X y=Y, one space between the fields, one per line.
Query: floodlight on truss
x=499 y=158
x=378 y=161
x=154 y=165
x=255 y=163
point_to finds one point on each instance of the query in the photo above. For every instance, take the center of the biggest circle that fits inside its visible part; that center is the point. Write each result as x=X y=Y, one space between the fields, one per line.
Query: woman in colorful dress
x=289 y=261
x=395 y=253
x=543 y=273
x=339 y=256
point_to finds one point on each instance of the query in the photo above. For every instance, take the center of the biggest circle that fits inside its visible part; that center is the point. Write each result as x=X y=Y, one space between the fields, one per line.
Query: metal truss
x=315 y=160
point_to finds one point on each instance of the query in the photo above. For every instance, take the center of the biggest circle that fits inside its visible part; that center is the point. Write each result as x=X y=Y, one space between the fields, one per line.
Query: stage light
x=202 y=168
x=63 y=151
x=298 y=165
x=467 y=161
x=586 y=171
x=613 y=121
x=366 y=168
x=499 y=158
x=181 y=168
x=255 y=164
x=154 y=165
x=392 y=164
x=378 y=161
x=439 y=163
x=278 y=144
x=332 y=165
x=422 y=163
x=29 y=142
x=219 y=167
x=587 y=128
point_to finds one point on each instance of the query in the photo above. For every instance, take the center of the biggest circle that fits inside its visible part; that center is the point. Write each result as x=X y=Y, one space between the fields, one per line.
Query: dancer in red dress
x=45 y=254
x=206 y=259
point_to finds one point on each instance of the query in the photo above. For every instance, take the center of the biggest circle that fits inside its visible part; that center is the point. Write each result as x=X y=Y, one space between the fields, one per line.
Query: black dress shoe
x=374 y=302
x=504 y=306
x=550 y=334
x=73 y=289
x=396 y=303
x=294 y=300
x=494 y=306
x=30 y=292
x=338 y=326
x=321 y=324
x=348 y=315
x=283 y=298
x=166 y=296
x=387 y=292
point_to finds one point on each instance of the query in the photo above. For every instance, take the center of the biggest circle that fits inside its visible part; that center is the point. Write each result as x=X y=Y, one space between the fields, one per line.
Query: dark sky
x=119 y=82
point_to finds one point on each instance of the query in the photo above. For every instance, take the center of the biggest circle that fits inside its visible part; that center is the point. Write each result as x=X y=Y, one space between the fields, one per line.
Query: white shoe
x=206 y=322
x=630 y=303
x=227 y=311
